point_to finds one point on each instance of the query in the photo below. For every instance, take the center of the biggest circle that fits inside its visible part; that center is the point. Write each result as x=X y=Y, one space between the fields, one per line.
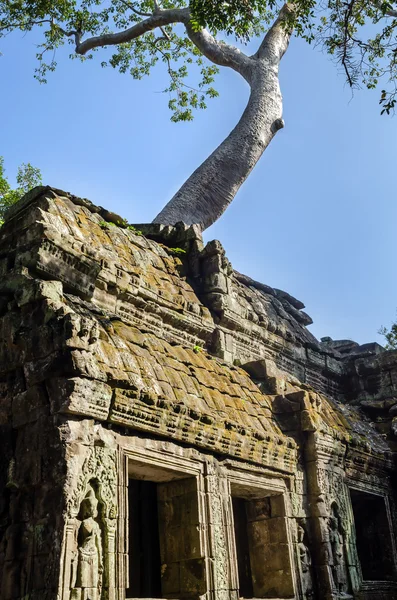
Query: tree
x=390 y=336
x=27 y=178
x=183 y=33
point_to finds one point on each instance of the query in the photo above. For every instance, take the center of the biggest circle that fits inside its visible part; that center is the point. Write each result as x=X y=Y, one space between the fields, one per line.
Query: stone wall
x=155 y=403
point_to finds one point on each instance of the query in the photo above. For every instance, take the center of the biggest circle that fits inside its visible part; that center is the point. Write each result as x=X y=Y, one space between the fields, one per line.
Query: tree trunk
x=209 y=190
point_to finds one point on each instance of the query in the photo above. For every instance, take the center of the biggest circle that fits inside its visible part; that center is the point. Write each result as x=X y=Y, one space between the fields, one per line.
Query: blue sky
x=318 y=215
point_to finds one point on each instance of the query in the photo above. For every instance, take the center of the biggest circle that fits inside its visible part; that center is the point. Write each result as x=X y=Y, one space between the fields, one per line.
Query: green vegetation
x=106 y=224
x=191 y=38
x=123 y=224
x=360 y=35
x=390 y=336
x=27 y=178
x=176 y=251
x=134 y=229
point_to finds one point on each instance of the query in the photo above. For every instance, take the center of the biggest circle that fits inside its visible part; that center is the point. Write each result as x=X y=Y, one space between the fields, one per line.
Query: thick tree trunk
x=209 y=190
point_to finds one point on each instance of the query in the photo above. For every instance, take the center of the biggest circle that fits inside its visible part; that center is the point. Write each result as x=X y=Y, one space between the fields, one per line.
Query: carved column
x=223 y=583
x=330 y=517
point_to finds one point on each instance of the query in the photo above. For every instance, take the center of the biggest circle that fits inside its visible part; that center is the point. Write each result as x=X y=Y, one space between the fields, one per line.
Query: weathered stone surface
x=121 y=399
x=85 y=397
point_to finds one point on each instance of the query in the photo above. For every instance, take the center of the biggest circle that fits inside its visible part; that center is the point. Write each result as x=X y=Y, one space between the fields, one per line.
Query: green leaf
x=27 y=178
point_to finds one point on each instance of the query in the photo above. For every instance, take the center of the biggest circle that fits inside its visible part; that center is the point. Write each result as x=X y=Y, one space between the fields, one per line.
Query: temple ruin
x=171 y=429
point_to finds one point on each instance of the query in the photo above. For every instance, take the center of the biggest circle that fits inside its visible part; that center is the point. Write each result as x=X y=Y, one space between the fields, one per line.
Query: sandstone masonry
x=169 y=428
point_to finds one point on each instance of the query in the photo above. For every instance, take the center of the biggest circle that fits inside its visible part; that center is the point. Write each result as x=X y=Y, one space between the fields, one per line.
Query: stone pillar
x=330 y=517
x=223 y=580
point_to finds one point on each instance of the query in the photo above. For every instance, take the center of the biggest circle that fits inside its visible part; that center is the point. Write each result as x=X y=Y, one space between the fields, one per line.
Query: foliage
x=28 y=177
x=134 y=229
x=177 y=251
x=390 y=336
x=197 y=349
x=245 y=19
x=106 y=224
x=359 y=34
x=123 y=224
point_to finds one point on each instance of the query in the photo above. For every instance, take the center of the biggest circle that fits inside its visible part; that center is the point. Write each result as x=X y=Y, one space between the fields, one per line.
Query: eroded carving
x=88 y=564
x=339 y=568
x=101 y=464
x=305 y=560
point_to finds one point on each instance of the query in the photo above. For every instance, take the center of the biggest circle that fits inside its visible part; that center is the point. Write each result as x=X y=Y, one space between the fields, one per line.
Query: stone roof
x=176 y=391
x=156 y=378
x=141 y=332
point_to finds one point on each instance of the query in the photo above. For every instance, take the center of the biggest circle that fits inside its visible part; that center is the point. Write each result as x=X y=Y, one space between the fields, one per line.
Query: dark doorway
x=373 y=537
x=262 y=545
x=144 y=545
x=242 y=547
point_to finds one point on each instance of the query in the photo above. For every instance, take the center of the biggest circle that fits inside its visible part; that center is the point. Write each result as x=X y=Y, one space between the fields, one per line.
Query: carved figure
x=305 y=563
x=339 y=570
x=87 y=575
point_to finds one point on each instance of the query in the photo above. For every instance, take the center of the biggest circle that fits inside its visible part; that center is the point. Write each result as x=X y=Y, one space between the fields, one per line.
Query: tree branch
x=389 y=13
x=345 y=50
x=275 y=42
x=220 y=53
x=17 y=25
x=76 y=34
x=157 y=19
x=137 y=12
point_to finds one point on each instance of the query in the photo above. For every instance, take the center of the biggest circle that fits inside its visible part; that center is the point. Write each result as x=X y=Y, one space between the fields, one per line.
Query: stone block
x=77 y=272
x=278 y=584
x=192 y=577
x=79 y=396
x=170 y=580
x=28 y=453
x=11 y=581
x=40 y=563
x=324 y=582
x=271 y=571
x=39 y=290
x=270 y=531
x=83 y=362
x=46 y=497
x=37 y=371
x=324 y=553
x=216 y=283
x=28 y=406
x=5 y=409
x=278 y=508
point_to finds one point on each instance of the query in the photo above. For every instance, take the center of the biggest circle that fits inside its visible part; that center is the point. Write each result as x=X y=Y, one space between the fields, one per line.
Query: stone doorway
x=144 y=540
x=242 y=540
x=261 y=544
x=375 y=547
x=165 y=557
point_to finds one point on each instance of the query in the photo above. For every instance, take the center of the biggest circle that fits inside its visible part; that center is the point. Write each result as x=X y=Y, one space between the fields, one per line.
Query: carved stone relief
x=305 y=561
x=89 y=547
x=87 y=566
x=338 y=551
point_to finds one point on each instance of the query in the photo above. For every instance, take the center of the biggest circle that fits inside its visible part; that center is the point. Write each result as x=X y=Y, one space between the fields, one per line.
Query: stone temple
x=170 y=429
